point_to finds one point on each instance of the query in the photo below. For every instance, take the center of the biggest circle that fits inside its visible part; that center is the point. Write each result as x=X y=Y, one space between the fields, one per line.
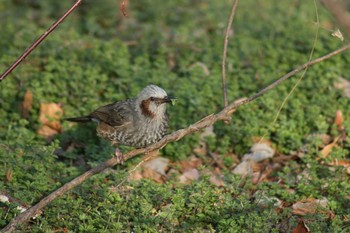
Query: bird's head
x=152 y=101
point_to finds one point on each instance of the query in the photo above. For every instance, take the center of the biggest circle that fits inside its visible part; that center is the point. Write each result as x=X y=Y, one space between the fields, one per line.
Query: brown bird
x=137 y=122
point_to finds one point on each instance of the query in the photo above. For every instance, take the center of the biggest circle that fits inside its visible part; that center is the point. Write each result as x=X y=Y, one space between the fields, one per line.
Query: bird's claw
x=119 y=156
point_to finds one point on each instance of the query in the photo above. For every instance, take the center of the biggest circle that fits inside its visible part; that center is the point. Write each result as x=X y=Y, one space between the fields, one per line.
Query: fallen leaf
x=215 y=176
x=339 y=119
x=46 y=131
x=301 y=227
x=188 y=176
x=50 y=114
x=259 y=140
x=26 y=105
x=49 y=118
x=192 y=162
x=152 y=174
x=310 y=206
x=244 y=168
x=155 y=169
x=341 y=162
x=327 y=149
x=9 y=175
x=259 y=152
x=135 y=175
x=158 y=164
x=216 y=180
x=344 y=85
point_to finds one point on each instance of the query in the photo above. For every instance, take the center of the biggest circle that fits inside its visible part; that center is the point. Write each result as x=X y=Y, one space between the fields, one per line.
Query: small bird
x=137 y=122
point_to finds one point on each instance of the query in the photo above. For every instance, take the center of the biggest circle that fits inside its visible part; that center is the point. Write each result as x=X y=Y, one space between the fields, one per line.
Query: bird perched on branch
x=137 y=122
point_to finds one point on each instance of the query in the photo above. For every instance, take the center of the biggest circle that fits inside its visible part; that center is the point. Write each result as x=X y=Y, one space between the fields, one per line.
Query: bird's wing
x=116 y=114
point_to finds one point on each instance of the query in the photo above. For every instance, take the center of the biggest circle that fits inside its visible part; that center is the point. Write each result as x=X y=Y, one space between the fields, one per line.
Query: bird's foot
x=119 y=156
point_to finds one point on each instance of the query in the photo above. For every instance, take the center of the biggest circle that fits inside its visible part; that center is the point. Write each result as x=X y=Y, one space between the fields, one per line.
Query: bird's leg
x=119 y=155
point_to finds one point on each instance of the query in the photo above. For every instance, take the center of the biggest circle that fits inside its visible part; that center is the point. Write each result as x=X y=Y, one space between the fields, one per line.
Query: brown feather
x=145 y=108
x=116 y=114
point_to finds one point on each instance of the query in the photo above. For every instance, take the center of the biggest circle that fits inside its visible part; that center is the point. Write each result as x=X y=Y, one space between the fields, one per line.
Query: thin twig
x=203 y=123
x=224 y=52
x=39 y=40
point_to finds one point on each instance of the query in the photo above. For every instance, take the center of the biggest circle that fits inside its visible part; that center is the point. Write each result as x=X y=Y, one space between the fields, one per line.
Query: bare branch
x=39 y=40
x=337 y=9
x=224 y=52
x=205 y=122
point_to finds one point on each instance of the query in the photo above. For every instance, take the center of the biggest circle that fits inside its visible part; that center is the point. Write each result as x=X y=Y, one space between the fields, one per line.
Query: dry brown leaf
x=50 y=114
x=152 y=174
x=340 y=162
x=192 y=162
x=259 y=152
x=49 y=118
x=215 y=179
x=135 y=175
x=215 y=176
x=309 y=206
x=26 y=105
x=301 y=227
x=9 y=175
x=327 y=149
x=244 y=168
x=189 y=175
x=46 y=131
x=339 y=119
x=344 y=85
x=258 y=140
x=158 y=164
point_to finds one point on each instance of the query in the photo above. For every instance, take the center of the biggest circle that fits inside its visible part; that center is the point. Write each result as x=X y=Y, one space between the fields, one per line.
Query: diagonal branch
x=39 y=40
x=205 y=122
x=224 y=52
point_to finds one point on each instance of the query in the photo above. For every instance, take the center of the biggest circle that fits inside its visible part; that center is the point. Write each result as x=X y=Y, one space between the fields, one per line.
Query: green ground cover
x=98 y=56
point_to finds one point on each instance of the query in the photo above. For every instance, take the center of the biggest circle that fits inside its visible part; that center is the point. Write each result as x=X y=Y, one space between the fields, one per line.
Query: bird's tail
x=82 y=119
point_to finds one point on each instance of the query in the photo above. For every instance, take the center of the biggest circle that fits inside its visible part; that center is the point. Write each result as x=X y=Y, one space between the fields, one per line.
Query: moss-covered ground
x=98 y=56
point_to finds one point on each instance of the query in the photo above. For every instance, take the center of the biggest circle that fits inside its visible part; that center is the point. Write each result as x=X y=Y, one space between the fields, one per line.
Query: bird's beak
x=169 y=99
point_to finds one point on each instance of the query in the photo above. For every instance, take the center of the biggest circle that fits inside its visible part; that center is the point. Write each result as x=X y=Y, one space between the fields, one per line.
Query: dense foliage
x=98 y=56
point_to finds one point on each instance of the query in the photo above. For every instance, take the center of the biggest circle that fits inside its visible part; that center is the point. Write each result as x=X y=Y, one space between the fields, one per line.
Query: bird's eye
x=152 y=98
